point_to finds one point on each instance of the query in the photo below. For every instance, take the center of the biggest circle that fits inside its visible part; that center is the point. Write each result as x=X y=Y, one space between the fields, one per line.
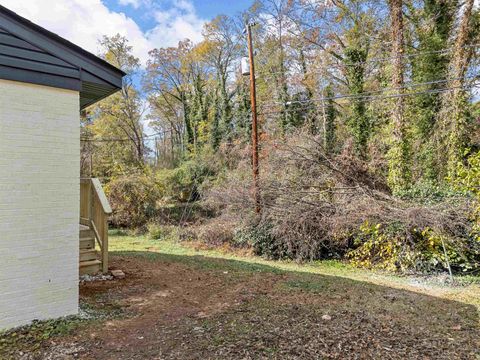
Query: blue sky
x=147 y=24
x=205 y=9
x=211 y=8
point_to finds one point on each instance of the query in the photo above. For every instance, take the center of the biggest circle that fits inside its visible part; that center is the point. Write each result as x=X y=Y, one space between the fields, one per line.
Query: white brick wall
x=39 y=202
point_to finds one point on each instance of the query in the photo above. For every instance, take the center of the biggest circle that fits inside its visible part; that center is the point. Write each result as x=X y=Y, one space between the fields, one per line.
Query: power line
x=345 y=96
x=366 y=94
x=145 y=137
x=367 y=97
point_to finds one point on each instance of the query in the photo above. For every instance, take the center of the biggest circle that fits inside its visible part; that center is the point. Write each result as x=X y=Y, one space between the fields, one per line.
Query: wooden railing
x=94 y=212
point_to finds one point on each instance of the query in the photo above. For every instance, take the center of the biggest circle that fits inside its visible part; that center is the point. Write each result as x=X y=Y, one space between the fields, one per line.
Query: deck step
x=88 y=255
x=86 y=232
x=90 y=267
x=87 y=243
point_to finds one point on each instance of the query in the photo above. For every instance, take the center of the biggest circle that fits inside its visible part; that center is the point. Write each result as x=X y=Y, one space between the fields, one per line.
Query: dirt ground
x=201 y=308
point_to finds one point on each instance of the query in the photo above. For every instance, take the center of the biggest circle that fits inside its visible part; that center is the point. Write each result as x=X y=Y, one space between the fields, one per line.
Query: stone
x=326 y=317
x=92 y=278
x=202 y=315
x=118 y=274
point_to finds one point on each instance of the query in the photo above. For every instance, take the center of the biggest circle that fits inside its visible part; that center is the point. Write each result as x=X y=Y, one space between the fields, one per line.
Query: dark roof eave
x=104 y=96
x=90 y=61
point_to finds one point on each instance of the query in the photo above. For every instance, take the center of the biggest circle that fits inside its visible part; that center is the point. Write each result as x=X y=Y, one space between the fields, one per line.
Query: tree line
x=393 y=82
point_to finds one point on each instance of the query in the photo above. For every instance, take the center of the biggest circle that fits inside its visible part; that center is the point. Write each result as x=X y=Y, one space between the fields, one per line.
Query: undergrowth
x=32 y=337
x=318 y=206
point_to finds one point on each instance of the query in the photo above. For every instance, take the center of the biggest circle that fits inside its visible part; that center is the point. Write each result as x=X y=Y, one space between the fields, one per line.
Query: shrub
x=184 y=182
x=160 y=232
x=421 y=251
x=375 y=248
x=261 y=239
x=429 y=193
x=468 y=180
x=133 y=199
x=217 y=232
x=316 y=206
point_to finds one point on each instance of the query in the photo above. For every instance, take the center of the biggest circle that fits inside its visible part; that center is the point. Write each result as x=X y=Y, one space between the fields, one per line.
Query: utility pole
x=253 y=99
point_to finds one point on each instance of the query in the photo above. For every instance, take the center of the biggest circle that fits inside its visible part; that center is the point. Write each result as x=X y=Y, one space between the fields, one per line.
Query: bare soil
x=200 y=308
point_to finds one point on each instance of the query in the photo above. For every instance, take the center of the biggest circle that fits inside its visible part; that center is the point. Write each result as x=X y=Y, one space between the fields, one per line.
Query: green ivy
x=359 y=122
x=390 y=248
x=262 y=241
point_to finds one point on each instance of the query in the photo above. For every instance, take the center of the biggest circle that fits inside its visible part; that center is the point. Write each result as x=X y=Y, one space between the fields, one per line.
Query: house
x=45 y=81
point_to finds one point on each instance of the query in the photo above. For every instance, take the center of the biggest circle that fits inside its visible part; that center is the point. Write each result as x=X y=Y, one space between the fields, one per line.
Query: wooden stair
x=94 y=213
x=89 y=263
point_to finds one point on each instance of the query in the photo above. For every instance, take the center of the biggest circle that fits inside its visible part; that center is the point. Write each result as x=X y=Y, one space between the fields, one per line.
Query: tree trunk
x=399 y=174
x=188 y=124
x=454 y=109
x=310 y=112
x=359 y=121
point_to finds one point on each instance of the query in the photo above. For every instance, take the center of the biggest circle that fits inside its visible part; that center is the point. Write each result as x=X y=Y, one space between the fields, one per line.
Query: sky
x=147 y=24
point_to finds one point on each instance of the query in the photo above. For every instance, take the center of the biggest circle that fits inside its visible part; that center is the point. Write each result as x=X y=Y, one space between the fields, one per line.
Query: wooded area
x=369 y=134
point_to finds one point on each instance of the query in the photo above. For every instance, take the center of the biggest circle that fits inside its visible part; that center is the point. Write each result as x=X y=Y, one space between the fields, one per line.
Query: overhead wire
x=369 y=97
x=366 y=93
x=145 y=137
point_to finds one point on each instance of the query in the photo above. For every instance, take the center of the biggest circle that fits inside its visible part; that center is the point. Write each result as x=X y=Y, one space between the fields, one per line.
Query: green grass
x=172 y=250
x=144 y=246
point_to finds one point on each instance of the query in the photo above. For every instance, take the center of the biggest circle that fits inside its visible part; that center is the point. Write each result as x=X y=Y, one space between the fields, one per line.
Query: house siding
x=39 y=202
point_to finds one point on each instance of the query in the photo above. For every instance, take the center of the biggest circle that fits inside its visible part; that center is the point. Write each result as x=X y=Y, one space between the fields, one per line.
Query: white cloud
x=134 y=3
x=175 y=24
x=84 y=22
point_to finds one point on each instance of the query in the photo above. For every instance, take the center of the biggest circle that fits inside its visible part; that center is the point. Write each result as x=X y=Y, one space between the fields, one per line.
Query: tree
x=430 y=27
x=399 y=170
x=343 y=30
x=219 y=50
x=455 y=104
x=167 y=78
x=330 y=114
x=275 y=57
x=166 y=119
x=116 y=123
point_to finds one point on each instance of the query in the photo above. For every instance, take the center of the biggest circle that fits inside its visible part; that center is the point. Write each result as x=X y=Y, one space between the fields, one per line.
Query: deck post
x=90 y=200
x=105 y=245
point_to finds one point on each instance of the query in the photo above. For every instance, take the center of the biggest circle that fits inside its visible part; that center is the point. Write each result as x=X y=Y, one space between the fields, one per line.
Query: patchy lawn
x=178 y=302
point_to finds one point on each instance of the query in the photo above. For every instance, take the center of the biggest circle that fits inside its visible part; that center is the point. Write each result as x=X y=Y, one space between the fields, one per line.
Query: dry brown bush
x=217 y=232
x=314 y=204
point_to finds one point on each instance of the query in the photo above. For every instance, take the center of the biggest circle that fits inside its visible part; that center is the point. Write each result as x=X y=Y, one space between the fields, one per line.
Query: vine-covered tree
x=114 y=130
x=399 y=174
